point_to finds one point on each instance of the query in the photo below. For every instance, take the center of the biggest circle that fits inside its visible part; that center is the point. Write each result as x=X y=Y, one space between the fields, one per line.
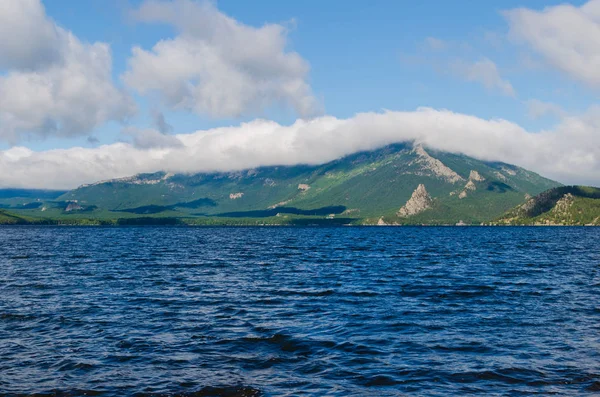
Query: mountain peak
x=418 y=202
x=435 y=166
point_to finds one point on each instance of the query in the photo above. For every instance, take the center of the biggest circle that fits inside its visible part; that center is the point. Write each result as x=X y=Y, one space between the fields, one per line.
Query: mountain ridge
x=564 y=205
x=361 y=188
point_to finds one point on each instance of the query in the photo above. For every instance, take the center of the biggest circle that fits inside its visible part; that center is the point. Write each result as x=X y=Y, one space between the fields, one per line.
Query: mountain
x=565 y=205
x=398 y=184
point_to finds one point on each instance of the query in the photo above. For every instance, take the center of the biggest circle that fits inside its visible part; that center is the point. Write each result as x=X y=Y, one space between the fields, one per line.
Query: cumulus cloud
x=53 y=84
x=218 y=66
x=29 y=38
x=568 y=37
x=484 y=72
x=569 y=153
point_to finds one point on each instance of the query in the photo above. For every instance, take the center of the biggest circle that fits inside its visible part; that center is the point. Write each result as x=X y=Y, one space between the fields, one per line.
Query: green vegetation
x=363 y=188
x=10 y=219
x=566 y=205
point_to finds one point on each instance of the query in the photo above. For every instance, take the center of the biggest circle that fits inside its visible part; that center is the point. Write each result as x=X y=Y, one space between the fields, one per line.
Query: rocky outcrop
x=235 y=196
x=500 y=175
x=435 y=166
x=476 y=176
x=303 y=186
x=73 y=206
x=279 y=204
x=562 y=206
x=509 y=171
x=381 y=222
x=418 y=202
x=529 y=205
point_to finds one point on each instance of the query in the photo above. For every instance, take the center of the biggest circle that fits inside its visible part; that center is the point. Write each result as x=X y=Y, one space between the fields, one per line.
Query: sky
x=100 y=89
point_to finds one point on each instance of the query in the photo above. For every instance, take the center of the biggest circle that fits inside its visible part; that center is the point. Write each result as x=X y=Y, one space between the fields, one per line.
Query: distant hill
x=565 y=205
x=22 y=199
x=30 y=193
x=6 y=218
x=398 y=184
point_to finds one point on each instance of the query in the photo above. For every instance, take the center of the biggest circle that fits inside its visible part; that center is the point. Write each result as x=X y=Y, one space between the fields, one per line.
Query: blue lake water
x=159 y=311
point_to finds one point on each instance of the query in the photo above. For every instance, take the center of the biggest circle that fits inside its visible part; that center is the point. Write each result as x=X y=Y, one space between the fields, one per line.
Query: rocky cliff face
x=418 y=202
x=435 y=166
x=73 y=206
x=563 y=205
x=476 y=176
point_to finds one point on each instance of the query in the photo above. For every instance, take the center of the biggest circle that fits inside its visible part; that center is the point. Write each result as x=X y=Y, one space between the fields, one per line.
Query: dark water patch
x=594 y=387
x=16 y=317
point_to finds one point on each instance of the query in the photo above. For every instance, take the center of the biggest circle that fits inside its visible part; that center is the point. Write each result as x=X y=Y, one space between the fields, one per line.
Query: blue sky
x=355 y=50
x=470 y=58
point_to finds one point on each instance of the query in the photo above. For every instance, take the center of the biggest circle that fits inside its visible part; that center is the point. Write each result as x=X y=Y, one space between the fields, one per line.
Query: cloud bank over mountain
x=567 y=153
x=54 y=84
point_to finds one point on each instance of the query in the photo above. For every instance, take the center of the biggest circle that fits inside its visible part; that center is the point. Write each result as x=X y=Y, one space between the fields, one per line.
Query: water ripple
x=167 y=311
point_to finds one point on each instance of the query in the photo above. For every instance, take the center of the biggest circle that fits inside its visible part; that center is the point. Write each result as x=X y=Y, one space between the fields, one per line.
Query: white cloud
x=29 y=38
x=151 y=139
x=537 y=109
x=568 y=37
x=218 y=66
x=55 y=84
x=570 y=153
x=455 y=58
x=484 y=72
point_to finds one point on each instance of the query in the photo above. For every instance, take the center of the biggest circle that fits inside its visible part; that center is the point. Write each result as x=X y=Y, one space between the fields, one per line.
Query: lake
x=168 y=311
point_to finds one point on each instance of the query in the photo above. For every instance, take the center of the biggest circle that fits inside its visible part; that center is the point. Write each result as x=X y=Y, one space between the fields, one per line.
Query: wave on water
x=186 y=312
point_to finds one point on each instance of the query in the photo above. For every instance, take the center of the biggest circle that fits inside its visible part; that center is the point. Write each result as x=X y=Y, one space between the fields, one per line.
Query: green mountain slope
x=565 y=205
x=363 y=188
x=7 y=218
